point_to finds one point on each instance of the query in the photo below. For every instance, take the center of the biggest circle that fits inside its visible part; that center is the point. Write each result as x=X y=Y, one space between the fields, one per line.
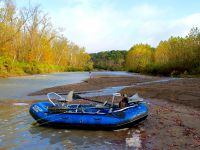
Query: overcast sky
x=101 y=25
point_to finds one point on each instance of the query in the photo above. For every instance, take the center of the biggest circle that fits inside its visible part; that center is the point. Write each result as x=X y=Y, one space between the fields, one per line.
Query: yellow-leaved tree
x=139 y=57
x=30 y=43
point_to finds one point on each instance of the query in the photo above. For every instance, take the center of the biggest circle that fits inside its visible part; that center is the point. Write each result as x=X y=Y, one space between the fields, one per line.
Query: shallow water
x=111 y=90
x=20 y=87
x=19 y=131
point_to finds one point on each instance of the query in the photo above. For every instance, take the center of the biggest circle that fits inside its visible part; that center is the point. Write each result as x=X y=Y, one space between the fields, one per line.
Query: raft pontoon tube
x=89 y=116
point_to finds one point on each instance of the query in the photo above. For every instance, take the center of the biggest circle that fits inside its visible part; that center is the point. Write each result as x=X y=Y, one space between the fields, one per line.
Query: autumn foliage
x=30 y=44
x=139 y=57
x=175 y=56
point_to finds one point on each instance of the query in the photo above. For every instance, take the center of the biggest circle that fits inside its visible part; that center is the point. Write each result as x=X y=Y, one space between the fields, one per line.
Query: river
x=20 y=87
x=19 y=131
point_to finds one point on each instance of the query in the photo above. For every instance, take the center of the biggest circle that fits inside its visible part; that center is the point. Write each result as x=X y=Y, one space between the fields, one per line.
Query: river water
x=20 y=87
x=19 y=131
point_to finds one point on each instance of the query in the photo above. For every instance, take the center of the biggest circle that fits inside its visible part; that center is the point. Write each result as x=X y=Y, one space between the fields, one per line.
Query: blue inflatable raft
x=89 y=116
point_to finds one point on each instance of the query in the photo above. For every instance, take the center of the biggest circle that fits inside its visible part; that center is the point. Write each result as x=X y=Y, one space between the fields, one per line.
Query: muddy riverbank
x=97 y=83
x=168 y=126
x=174 y=118
x=184 y=91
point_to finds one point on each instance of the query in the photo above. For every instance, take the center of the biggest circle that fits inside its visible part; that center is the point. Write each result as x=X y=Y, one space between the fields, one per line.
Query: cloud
x=99 y=25
x=186 y=23
x=101 y=28
x=154 y=31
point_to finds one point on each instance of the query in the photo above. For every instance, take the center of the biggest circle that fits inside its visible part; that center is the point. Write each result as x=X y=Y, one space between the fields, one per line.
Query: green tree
x=109 y=60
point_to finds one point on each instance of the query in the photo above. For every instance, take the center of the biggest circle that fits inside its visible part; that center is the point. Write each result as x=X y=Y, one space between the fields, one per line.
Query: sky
x=100 y=25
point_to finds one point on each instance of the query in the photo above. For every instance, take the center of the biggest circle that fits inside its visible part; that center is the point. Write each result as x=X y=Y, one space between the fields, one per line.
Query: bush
x=13 y=68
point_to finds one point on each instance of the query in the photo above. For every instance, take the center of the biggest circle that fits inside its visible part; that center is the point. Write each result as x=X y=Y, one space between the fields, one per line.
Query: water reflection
x=20 y=87
x=18 y=131
x=81 y=139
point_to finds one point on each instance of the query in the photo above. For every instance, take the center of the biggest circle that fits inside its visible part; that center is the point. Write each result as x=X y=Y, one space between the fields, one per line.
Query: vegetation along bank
x=29 y=44
x=173 y=57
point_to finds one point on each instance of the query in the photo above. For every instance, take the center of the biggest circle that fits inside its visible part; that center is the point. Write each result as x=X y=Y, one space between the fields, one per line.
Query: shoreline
x=27 y=75
x=184 y=91
x=97 y=83
x=174 y=108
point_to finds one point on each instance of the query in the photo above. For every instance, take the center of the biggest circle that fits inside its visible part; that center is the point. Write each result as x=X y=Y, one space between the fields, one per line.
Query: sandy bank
x=97 y=83
x=185 y=91
x=169 y=124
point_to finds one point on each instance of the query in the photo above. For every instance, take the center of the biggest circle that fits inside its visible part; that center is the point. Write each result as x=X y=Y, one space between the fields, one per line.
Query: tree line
x=113 y=60
x=30 y=44
x=175 y=56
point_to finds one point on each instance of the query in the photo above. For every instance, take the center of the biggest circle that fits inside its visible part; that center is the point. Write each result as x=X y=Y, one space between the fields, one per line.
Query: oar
x=76 y=96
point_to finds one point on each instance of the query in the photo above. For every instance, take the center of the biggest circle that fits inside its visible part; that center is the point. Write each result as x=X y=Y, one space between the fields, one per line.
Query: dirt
x=171 y=126
x=97 y=83
x=174 y=108
x=184 y=91
x=168 y=126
